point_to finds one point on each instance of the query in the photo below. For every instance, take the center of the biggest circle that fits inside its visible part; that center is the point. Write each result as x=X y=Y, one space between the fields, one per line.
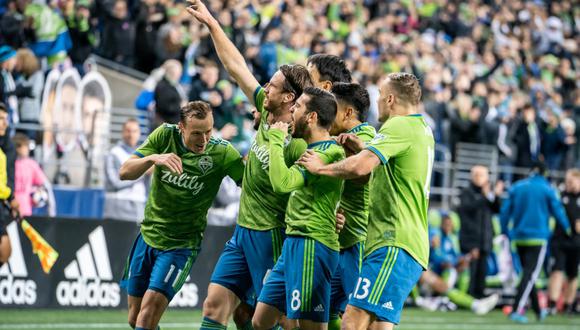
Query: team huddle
x=314 y=166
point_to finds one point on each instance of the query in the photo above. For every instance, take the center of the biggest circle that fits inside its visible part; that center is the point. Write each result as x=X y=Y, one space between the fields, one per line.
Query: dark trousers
x=532 y=259
x=477 y=272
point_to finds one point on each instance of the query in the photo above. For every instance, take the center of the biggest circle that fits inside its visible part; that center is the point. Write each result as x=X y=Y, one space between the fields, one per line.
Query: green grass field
x=179 y=319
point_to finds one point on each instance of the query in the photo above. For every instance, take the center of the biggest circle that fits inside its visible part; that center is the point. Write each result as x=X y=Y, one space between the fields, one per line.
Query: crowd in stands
x=493 y=71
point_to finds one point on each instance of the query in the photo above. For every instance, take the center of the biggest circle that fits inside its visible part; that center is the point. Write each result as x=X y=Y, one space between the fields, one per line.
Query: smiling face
x=275 y=92
x=300 y=116
x=196 y=132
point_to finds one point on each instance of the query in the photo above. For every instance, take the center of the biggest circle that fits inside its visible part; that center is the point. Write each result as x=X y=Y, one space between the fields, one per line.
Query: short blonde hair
x=27 y=61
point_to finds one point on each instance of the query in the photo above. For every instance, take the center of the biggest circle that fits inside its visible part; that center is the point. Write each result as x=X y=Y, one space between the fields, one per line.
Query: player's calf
x=134 y=304
x=152 y=308
x=220 y=304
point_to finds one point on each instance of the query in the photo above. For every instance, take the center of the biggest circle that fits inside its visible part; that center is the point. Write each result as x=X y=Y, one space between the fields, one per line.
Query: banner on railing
x=92 y=256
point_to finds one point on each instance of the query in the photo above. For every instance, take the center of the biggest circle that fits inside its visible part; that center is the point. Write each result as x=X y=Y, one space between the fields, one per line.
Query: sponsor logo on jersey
x=89 y=277
x=15 y=288
x=182 y=180
x=388 y=305
x=205 y=164
x=319 y=308
x=262 y=153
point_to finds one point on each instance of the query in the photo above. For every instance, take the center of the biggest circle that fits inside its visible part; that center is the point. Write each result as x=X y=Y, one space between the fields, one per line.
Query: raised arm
x=229 y=55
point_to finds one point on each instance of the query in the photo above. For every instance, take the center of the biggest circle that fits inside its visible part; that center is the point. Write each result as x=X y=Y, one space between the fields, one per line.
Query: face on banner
x=47 y=110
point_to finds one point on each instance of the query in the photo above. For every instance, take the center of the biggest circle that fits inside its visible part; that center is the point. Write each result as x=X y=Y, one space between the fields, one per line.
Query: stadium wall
x=92 y=257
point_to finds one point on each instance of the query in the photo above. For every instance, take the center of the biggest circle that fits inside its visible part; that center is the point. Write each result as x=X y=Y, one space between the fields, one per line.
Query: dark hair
x=323 y=103
x=20 y=139
x=95 y=90
x=539 y=168
x=296 y=78
x=406 y=87
x=330 y=67
x=3 y=107
x=354 y=95
x=195 y=109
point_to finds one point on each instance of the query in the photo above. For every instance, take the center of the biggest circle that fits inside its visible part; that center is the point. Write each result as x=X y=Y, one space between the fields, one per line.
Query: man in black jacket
x=5 y=217
x=477 y=205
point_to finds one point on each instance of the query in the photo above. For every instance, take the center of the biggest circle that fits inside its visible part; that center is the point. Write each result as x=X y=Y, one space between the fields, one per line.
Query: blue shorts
x=163 y=271
x=247 y=257
x=345 y=276
x=299 y=284
x=387 y=277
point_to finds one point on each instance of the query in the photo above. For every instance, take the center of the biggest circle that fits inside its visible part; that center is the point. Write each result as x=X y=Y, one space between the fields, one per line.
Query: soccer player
x=326 y=70
x=353 y=104
x=257 y=241
x=299 y=284
x=189 y=167
x=400 y=158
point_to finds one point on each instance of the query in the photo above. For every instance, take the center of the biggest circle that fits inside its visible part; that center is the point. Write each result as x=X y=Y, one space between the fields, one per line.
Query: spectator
x=529 y=205
x=29 y=87
x=28 y=175
x=446 y=259
x=169 y=96
x=8 y=63
x=477 y=204
x=124 y=200
x=565 y=250
x=81 y=32
x=554 y=146
x=205 y=87
x=527 y=138
x=150 y=17
x=119 y=35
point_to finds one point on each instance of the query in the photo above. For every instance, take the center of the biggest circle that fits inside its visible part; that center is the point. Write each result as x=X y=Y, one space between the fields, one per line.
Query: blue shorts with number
x=247 y=257
x=387 y=277
x=345 y=276
x=299 y=284
x=163 y=271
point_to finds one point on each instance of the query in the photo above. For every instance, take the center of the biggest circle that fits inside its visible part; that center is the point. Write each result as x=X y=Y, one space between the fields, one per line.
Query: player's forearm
x=134 y=168
x=283 y=179
x=345 y=169
x=227 y=52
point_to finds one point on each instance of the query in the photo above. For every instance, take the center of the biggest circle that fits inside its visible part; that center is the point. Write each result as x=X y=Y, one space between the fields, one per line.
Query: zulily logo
x=89 y=276
x=182 y=181
x=15 y=288
x=262 y=153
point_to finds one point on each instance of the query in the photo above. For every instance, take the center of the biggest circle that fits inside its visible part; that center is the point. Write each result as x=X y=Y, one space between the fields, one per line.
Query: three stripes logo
x=15 y=288
x=89 y=276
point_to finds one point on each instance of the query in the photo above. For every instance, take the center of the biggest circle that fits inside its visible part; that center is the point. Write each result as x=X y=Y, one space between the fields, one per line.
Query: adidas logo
x=319 y=308
x=14 y=287
x=88 y=273
x=388 y=305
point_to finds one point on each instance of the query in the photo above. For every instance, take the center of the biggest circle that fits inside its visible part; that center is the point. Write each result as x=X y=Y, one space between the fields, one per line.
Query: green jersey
x=314 y=199
x=260 y=207
x=355 y=199
x=399 y=187
x=176 y=210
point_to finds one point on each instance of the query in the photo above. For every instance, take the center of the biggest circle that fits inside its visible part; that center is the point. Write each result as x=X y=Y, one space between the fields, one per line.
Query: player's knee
x=5 y=249
x=243 y=314
x=211 y=307
x=259 y=324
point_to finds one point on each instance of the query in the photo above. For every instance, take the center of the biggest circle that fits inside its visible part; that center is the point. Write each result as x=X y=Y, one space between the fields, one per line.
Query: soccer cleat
x=485 y=305
x=543 y=314
x=518 y=318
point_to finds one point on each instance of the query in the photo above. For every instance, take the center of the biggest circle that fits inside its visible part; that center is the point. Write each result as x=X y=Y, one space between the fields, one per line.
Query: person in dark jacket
x=565 y=250
x=527 y=138
x=477 y=205
x=118 y=42
x=529 y=205
x=81 y=33
x=9 y=155
x=169 y=96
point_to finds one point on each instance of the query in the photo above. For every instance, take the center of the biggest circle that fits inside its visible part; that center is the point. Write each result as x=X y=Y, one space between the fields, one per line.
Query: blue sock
x=209 y=324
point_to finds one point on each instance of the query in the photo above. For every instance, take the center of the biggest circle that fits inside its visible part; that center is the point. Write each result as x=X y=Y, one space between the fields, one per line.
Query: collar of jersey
x=312 y=145
x=357 y=127
x=415 y=115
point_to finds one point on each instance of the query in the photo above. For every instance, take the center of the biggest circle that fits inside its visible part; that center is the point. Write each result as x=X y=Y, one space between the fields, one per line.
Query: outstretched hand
x=198 y=10
x=311 y=161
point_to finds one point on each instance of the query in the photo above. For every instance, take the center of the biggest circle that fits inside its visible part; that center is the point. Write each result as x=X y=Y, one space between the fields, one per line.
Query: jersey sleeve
x=233 y=164
x=392 y=140
x=294 y=150
x=153 y=144
x=282 y=178
x=259 y=97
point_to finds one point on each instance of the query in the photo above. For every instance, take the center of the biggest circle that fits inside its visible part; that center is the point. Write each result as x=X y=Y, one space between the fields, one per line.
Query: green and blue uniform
x=299 y=284
x=257 y=241
x=355 y=205
x=397 y=246
x=176 y=211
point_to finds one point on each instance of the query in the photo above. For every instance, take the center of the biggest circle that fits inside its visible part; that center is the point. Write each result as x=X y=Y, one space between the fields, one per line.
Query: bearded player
x=189 y=165
x=400 y=158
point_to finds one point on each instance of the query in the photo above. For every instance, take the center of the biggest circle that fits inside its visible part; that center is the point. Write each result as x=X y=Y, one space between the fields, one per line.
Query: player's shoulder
x=219 y=143
x=329 y=149
x=364 y=131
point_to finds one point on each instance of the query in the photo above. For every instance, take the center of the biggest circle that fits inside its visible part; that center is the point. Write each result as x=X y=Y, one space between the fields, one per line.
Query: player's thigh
x=266 y=316
x=355 y=318
x=262 y=249
x=220 y=303
x=388 y=275
x=274 y=291
x=170 y=271
x=138 y=268
x=348 y=270
x=309 y=269
x=153 y=305
x=5 y=248
x=231 y=270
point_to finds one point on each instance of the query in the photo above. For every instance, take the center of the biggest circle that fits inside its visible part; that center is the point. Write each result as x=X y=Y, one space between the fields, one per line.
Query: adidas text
x=84 y=292
x=17 y=291
x=186 y=297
